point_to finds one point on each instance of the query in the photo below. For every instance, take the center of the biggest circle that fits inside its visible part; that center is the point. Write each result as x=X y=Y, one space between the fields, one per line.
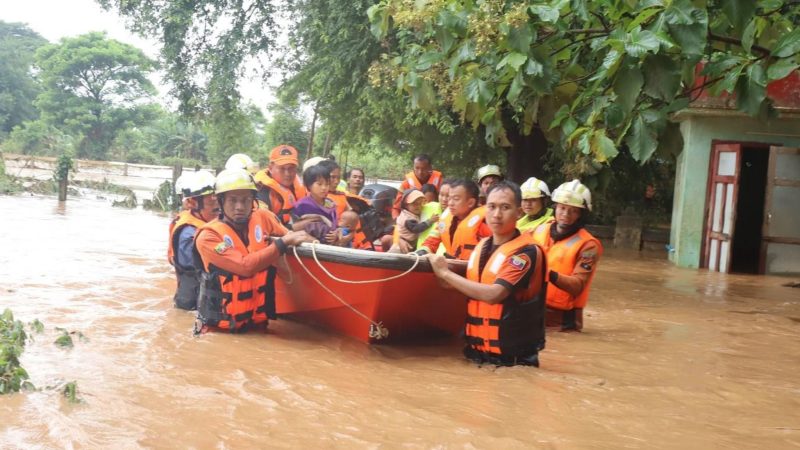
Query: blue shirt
x=183 y=254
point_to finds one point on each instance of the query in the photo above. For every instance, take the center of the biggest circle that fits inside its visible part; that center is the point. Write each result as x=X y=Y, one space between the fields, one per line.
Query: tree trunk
x=62 y=190
x=525 y=158
x=311 y=133
x=327 y=146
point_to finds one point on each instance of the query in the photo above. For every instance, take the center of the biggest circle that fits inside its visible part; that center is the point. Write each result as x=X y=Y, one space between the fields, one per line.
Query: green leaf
x=748 y=35
x=691 y=38
x=602 y=147
x=751 y=90
x=514 y=60
x=627 y=85
x=534 y=67
x=787 y=45
x=662 y=77
x=520 y=38
x=614 y=115
x=679 y=13
x=644 y=16
x=641 y=141
x=728 y=83
x=739 y=12
x=640 y=42
x=559 y=116
x=428 y=59
x=516 y=87
x=584 y=143
x=781 y=69
x=478 y=91
x=546 y=13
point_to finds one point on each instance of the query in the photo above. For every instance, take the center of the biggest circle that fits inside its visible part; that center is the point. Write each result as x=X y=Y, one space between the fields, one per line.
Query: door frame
x=772 y=181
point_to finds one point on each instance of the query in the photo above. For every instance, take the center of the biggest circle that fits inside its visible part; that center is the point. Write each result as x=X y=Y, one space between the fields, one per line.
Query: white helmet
x=182 y=182
x=241 y=161
x=489 y=169
x=311 y=162
x=201 y=183
x=234 y=179
x=573 y=193
x=534 y=188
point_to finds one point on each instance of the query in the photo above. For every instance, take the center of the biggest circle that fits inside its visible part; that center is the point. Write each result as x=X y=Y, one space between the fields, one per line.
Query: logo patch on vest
x=220 y=248
x=473 y=221
x=259 y=234
x=227 y=240
x=518 y=262
x=328 y=203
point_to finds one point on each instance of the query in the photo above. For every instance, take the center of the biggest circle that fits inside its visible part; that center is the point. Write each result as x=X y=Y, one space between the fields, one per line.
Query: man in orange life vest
x=506 y=287
x=462 y=229
x=198 y=193
x=572 y=255
x=422 y=174
x=236 y=250
x=278 y=185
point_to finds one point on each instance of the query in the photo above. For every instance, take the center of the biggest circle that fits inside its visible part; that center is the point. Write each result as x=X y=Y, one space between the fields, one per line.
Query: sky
x=55 y=19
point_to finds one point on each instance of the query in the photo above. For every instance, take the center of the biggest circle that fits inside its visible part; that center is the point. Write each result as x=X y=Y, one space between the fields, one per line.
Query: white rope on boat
x=379 y=280
x=376 y=329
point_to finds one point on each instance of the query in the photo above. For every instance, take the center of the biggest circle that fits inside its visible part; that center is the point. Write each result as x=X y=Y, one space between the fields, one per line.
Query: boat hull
x=409 y=307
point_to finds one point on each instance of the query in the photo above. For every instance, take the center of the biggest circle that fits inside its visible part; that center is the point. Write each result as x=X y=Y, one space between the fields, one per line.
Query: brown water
x=670 y=358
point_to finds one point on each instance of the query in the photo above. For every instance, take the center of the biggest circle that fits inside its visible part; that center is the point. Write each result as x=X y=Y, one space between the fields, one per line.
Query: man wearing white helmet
x=242 y=161
x=201 y=206
x=488 y=176
x=237 y=251
x=572 y=255
x=534 y=195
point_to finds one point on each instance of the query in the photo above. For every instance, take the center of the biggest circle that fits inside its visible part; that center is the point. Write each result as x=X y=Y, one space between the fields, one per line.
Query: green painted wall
x=691 y=177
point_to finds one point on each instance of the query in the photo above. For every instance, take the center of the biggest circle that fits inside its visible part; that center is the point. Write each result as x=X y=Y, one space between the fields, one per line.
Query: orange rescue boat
x=374 y=297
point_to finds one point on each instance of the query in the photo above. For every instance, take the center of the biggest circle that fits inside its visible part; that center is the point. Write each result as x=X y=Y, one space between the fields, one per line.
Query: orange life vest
x=562 y=257
x=277 y=198
x=227 y=300
x=188 y=280
x=413 y=182
x=514 y=327
x=466 y=237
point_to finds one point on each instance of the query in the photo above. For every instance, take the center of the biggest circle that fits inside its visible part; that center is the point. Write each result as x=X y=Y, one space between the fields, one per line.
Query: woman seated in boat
x=409 y=226
x=316 y=212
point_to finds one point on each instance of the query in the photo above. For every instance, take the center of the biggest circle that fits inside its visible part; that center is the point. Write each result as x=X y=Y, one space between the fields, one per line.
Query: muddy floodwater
x=670 y=358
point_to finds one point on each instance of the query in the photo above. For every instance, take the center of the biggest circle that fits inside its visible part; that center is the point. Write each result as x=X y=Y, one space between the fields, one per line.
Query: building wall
x=699 y=128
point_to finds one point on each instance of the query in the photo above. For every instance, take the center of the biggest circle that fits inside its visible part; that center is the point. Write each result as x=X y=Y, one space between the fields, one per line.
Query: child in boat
x=409 y=226
x=316 y=212
x=348 y=224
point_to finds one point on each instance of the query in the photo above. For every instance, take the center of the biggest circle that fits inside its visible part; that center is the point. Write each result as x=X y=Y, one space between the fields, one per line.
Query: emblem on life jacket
x=258 y=233
x=518 y=262
x=328 y=203
x=441 y=227
x=473 y=221
x=227 y=240
x=220 y=248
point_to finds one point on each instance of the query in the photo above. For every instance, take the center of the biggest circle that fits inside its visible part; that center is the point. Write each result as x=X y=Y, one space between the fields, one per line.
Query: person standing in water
x=462 y=227
x=201 y=207
x=235 y=250
x=534 y=196
x=506 y=287
x=572 y=256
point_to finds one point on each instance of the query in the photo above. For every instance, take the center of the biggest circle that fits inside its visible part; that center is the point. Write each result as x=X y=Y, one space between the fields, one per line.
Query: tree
x=94 y=87
x=591 y=76
x=286 y=126
x=18 y=88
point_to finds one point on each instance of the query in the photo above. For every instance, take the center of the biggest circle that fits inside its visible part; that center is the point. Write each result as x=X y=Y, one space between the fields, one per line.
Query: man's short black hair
x=427 y=187
x=424 y=157
x=350 y=172
x=316 y=172
x=507 y=186
x=473 y=191
x=447 y=182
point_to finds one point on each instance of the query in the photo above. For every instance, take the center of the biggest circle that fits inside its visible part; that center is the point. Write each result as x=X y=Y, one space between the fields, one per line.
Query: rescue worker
x=572 y=256
x=236 y=250
x=464 y=226
x=278 y=185
x=506 y=287
x=198 y=192
x=355 y=181
x=488 y=176
x=242 y=161
x=423 y=173
x=534 y=196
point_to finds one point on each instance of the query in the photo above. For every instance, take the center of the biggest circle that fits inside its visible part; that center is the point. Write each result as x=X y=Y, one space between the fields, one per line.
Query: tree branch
x=730 y=40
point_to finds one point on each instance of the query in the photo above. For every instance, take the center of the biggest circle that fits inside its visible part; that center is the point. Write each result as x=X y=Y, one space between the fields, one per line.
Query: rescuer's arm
x=213 y=250
x=433 y=240
x=574 y=282
x=489 y=293
x=183 y=256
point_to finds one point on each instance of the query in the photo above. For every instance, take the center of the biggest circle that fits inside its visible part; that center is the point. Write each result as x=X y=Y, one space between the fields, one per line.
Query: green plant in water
x=64 y=165
x=65 y=340
x=163 y=199
x=71 y=392
x=12 y=342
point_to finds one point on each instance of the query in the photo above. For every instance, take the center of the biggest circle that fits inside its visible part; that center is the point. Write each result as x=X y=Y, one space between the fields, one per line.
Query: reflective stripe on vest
x=466 y=237
x=514 y=327
x=562 y=256
x=227 y=300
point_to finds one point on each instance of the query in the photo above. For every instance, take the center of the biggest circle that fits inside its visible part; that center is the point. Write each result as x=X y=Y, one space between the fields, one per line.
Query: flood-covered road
x=670 y=358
